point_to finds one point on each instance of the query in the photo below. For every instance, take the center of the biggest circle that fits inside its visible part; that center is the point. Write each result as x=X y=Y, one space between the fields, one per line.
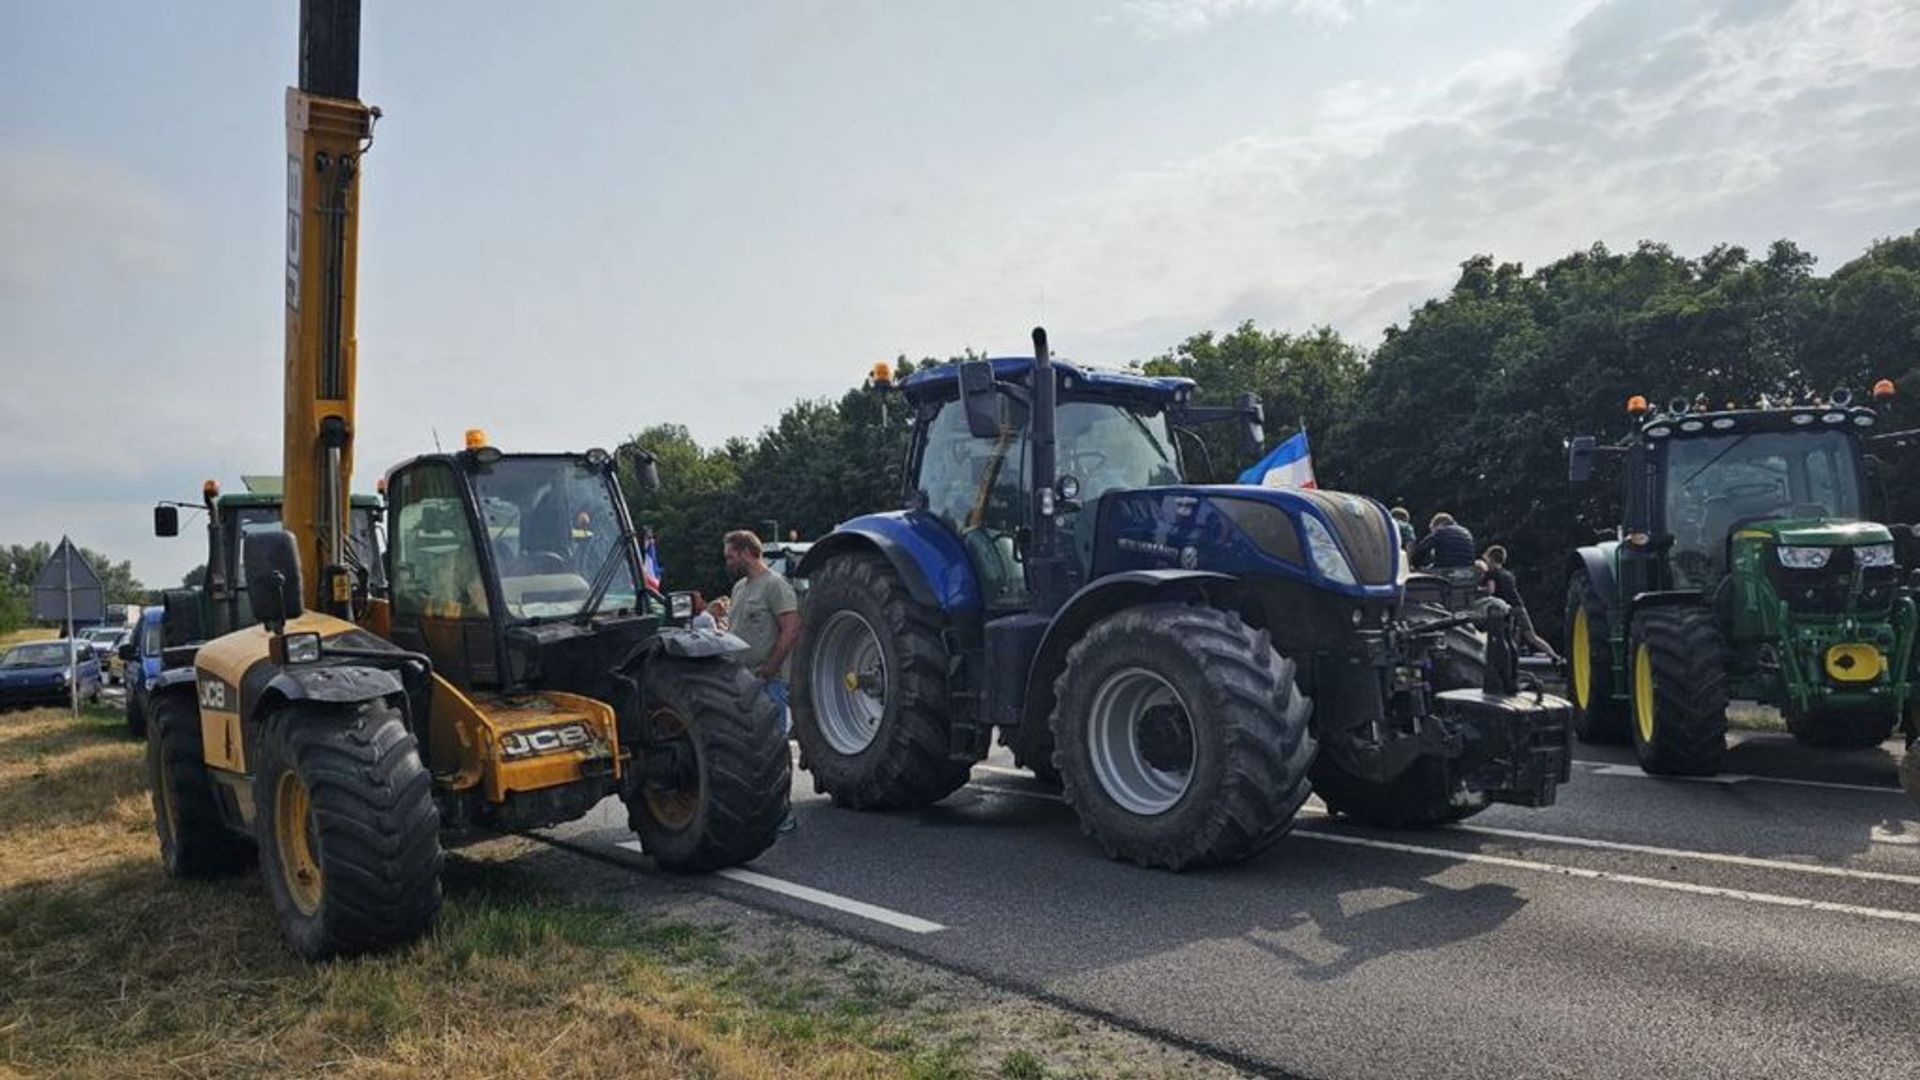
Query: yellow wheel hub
x=1855 y=663
x=293 y=832
x=1582 y=660
x=674 y=807
x=852 y=680
x=1643 y=692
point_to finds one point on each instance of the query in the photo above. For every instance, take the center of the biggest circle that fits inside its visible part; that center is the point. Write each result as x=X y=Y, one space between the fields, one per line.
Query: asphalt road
x=1763 y=924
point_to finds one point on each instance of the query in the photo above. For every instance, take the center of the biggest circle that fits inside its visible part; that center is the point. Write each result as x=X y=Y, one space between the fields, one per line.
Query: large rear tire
x=1842 y=729
x=1679 y=692
x=723 y=802
x=1598 y=716
x=869 y=693
x=136 y=716
x=194 y=842
x=1910 y=768
x=1180 y=737
x=348 y=831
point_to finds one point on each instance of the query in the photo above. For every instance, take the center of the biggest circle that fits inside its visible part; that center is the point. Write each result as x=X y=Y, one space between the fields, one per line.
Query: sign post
x=67 y=590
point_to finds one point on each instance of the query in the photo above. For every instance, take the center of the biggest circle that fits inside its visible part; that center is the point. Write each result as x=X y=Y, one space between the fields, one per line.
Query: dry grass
x=114 y=969
x=31 y=633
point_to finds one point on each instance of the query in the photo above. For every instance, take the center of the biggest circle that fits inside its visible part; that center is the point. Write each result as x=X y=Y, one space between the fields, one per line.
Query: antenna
x=436 y=439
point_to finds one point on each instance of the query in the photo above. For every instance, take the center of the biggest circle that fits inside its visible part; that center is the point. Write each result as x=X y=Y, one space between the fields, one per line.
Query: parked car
x=105 y=641
x=140 y=660
x=37 y=673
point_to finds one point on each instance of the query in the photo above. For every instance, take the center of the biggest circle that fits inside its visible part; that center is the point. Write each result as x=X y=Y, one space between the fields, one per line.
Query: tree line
x=21 y=563
x=1463 y=407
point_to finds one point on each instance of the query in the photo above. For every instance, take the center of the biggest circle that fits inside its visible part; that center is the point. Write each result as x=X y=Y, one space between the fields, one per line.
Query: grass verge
x=114 y=969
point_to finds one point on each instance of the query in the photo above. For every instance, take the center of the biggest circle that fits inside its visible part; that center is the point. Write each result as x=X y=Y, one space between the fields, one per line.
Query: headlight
x=1871 y=555
x=1804 y=558
x=1326 y=554
x=64 y=677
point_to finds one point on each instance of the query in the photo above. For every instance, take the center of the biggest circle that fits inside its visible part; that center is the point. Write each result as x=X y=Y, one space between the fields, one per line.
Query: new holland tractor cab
x=516 y=673
x=1743 y=567
x=1175 y=654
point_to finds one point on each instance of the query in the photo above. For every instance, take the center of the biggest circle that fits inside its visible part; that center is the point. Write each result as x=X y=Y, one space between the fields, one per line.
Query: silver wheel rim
x=1114 y=742
x=849 y=682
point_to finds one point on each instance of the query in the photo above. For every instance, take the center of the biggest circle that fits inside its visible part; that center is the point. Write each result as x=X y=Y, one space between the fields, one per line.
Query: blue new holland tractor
x=1189 y=662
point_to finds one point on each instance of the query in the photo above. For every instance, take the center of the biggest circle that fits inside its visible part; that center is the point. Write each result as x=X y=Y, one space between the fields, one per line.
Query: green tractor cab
x=1743 y=567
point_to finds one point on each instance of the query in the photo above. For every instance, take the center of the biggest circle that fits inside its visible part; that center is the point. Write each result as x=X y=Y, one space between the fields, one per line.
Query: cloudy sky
x=583 y=218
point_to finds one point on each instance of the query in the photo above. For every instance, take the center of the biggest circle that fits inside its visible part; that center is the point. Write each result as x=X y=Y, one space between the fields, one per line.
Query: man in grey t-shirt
x=763 y=612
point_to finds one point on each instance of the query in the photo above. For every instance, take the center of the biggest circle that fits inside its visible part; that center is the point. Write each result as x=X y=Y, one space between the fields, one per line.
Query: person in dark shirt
x=1447 y=545
x=1403 y=522
x=1499 y=582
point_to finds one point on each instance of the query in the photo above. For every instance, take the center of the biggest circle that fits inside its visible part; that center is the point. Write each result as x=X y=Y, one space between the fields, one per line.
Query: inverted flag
x=1288 y=465
x=650 y=563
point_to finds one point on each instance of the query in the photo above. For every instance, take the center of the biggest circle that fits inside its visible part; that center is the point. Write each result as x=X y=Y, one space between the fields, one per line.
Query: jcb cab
x=518 y=674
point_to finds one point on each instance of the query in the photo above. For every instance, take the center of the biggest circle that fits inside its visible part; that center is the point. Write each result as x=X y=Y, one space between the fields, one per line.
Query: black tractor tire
x=1685 y=731
x=907 y=762
x=1602 y=719
x=1910 y=768
x=1422 y=797
x=729 y=806
x=136 y=716
x=1841 y=729
x=1033 y=751
x=194 y=841
x=359 y=870
x=1249 y=725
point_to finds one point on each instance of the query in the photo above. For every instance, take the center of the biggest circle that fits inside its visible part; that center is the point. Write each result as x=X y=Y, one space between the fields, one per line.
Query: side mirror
x=1253 y=423
x=180 y=618
x=646 y=467
x=1580 y=459
x=166 y=521
x=273 y=577
x=125 y=652
x=981 y=398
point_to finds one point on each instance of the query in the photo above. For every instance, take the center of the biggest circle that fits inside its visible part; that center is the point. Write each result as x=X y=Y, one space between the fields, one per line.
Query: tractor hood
x=1331 y=540
x=1816 y=532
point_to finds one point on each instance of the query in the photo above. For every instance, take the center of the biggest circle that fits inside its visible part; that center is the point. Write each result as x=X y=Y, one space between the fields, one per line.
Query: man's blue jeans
x=776 y=689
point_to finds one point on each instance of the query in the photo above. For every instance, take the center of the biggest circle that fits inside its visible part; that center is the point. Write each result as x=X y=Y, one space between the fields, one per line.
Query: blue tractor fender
x=1116 y=592
x=923 y=551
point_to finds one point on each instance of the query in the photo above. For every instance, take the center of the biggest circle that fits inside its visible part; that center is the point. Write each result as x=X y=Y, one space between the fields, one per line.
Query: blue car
x=142 y=666
x=37 y=674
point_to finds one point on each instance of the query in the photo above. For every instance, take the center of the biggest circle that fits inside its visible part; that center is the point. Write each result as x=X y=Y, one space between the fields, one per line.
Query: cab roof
x=1810 y=417
x=941 y=381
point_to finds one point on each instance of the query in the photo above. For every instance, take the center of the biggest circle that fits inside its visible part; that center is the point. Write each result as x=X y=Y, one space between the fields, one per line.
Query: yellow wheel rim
x=674 y=807
x=1582 y=661
x=293 y=834
x=1643 y=693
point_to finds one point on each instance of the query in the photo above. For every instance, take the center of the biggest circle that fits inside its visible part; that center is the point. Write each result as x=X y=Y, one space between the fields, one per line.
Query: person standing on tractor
x=1403 y=522
x=1498 y=581
x=1447 y=545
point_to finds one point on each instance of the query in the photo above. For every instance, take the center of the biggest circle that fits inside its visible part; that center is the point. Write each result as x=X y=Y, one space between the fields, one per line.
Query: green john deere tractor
x=1743 y=567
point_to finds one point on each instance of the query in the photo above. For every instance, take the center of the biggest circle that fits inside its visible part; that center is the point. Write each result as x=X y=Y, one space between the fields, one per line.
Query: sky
x=580 y=219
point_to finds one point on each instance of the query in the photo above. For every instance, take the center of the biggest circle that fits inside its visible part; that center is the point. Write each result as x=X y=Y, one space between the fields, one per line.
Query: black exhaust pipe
x=1048 y=580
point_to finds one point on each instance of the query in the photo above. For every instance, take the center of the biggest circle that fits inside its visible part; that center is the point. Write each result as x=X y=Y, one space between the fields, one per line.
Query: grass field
x=15 y=637
x=114 y=969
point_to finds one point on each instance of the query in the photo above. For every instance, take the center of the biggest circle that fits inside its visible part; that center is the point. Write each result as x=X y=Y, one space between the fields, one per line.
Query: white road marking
x=912 y=924
x=1880 y=834
x=1022 y=792
x=1746 y=896
x=1002 y=770
x=1706 y=856
x=1608 y=768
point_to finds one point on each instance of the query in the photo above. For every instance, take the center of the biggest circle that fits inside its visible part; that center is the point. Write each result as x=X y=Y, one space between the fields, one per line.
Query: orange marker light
x=210 y=489
x=380 y=487
x=1637 y=405
x=476 y=438
x=1883 y=390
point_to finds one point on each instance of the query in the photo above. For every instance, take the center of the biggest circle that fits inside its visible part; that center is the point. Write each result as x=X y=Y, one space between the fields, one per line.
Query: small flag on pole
x=650 y=563
x=1288 y=465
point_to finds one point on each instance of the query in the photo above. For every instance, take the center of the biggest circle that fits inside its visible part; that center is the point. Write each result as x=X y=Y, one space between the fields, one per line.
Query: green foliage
x=21 y=563
x=1463 y=408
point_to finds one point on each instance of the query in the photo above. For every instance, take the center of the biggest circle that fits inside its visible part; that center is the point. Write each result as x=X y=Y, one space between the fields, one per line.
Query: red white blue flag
x=1288 y=465
x=650 y=563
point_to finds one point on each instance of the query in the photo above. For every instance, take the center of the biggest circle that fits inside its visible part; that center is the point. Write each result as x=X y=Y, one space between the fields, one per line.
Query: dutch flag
x=1288 y=465
x=650 y=563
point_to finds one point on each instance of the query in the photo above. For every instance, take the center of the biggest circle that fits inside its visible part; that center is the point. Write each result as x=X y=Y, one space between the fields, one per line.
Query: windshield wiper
x=1715 y=460
x=603 y=577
